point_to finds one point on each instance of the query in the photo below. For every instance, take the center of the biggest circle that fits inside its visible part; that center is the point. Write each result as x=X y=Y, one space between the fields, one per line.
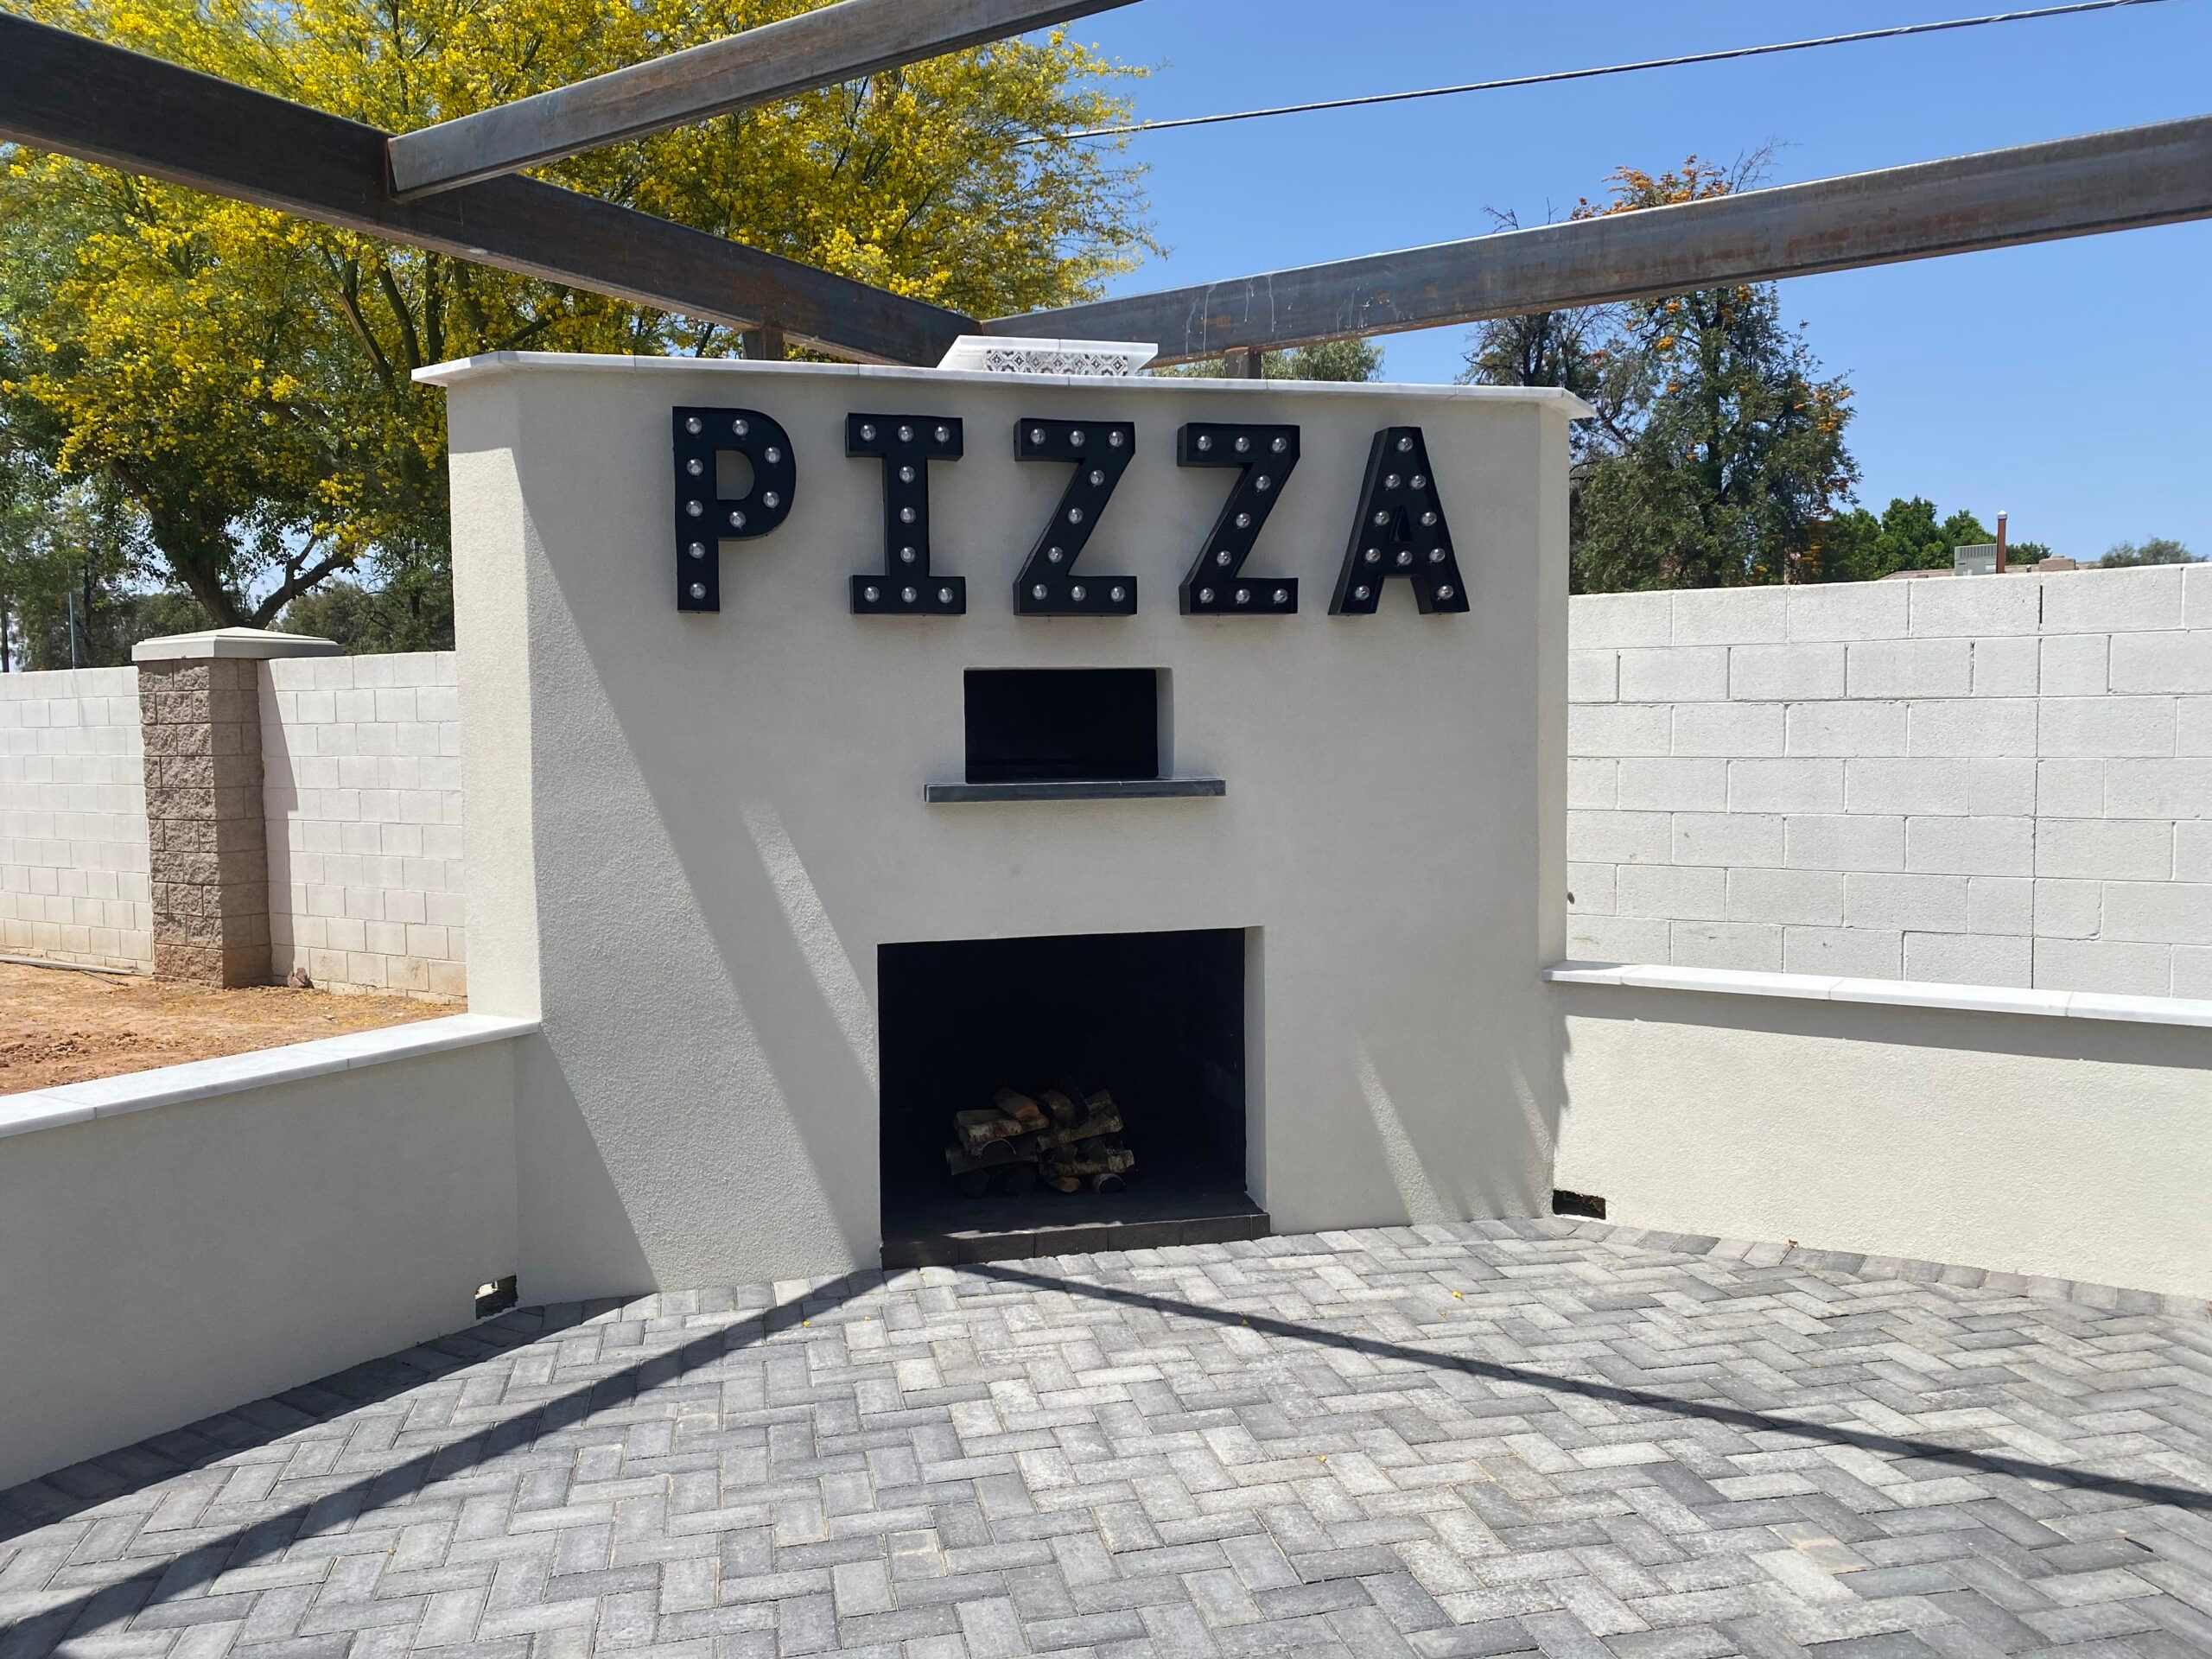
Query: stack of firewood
x=1069 y=1138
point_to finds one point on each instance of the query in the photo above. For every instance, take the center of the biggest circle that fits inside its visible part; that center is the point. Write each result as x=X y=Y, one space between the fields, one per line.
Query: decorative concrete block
x=2107 y=727
x=1675 y=892
x=2167 y=912
x=1618 y=837
x=2000 y=903
x=1785 y=673
x=2159 y=789
x=1971 y=725
x=1730 y=616
x=2113 y=601
x=1730 y=729
x=1673 y=784
x=1906 y=786
x=1969 y=959
x=1796 y=897
x=2115 y=967
x=1592 y=676
x=1592 y=783
x=1856 y=953
x=1732 y=839
x=1617 y=939
x=1848 y=610
x=2111 y=849
x=1619 y=729
x=1607 y=621
x=1910 y=668
x=1676 y=674
x=1876 y=900
x=1590 y=889
x=2075 y=664
x=2005 y=667
x=1971 y=606
x=1840 y=842
x=1845 y=728
x=1786 y=786
x=2068 y=909
x=2161 y=662
x=1725 y=944
x=1970 y=846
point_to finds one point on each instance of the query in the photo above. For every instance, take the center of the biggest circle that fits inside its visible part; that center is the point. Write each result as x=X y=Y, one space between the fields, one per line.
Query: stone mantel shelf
x=1090 y=789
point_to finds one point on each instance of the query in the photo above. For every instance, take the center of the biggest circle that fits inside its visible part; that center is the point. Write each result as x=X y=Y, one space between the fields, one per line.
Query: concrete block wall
x=362 y=787
x=2003 y=781
x=72 y=819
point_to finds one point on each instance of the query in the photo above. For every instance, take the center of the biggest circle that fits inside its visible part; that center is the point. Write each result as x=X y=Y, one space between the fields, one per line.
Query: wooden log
x=1104 y=1161
x=1061 y=1107
x=1021 y=1107
x=981 y=1128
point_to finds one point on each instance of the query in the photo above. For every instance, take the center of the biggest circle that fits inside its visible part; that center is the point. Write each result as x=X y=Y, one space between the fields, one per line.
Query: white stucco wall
x=2073 y=1147
x=361 y=782
x=688 y=834
x=1984 y=780
x=72 y=819
x=169 y=1263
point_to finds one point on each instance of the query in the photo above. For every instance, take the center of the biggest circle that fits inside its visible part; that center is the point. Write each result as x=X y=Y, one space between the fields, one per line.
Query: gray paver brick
x=1605 y=1445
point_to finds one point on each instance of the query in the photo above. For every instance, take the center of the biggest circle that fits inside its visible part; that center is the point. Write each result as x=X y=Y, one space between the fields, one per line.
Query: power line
x=1897 y=32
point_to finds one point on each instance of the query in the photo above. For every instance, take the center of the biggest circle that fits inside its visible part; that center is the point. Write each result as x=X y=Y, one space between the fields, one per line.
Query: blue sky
x=2062 y=382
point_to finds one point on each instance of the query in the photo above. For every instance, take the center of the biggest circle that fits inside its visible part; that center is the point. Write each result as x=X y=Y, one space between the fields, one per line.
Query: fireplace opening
x=1056 y=725
x=1068 y=1093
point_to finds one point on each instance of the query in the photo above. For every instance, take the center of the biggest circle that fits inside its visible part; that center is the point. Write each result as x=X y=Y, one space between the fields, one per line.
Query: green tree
x=1719 y=453
x=2159 y=549
x=243 y=378
x=1857 y=546
x=1334 y=359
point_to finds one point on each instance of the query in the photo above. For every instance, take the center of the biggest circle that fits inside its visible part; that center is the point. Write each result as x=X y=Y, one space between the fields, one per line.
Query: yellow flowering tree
x=243 y=378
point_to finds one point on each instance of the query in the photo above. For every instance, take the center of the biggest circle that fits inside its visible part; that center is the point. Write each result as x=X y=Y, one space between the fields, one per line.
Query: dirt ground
x=57 y=1027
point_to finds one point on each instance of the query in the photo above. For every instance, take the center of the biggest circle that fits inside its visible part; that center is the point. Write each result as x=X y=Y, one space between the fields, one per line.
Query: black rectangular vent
x=1042 y=725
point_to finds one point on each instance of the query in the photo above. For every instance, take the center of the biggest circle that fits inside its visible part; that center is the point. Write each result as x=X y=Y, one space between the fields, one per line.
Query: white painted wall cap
x=256 y=643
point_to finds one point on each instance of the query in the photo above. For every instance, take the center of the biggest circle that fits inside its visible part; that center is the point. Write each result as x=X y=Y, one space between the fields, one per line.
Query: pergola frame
x=455 y=194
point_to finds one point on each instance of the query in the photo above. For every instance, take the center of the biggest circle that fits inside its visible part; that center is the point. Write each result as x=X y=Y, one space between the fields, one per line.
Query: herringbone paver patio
x=1491 y=1439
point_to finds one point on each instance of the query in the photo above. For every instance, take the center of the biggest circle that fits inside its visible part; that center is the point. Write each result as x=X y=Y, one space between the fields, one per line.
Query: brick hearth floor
x=1490 y=1439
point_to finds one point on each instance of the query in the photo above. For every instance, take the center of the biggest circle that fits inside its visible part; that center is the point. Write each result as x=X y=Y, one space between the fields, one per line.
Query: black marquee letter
x=1217 y=585
x=703 y=520
x=906 y=443
x=1101 y=452
x=1399 y=532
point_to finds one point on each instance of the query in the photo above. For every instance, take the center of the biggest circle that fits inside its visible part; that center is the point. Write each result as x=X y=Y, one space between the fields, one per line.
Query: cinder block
x=1969 y=959
x=1745 y=945
x=2070 y=789
x=1746 y=840
x=2159 y=789
x=1618 y=728
x=2108 y=849
x=2107 y=727
x=1906 y=786
x=2075 y=664
x=2196 y=607
x=1673 y=891
x=1785 y=673
x=2000 y=903
x=1785 y=786
x=1607 y=621
x=2005 y=667
x=2112 y=601
x=1589 y=889
x=1970 y=846
x=1675 y=674
x=2166 y=912
x=2003 y=786
x=1848 y=610
x=1618 y=837
x=2114 y=967
x=1969 y=607
x=1845 y=728
x=1855 y=953
x=1617 y=939
x=1802 y=897
x=1910 y=668
x=1971 y=725
x=1728 y=729
x=1815 y=843
x=2068 y=909
x=1730 y=616
x=1666 y=785
x=2161 y=662
x=2193 y=852
x=2193 y=726
x=1592 y=676
x=1936 y=903
x=1590 y=783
